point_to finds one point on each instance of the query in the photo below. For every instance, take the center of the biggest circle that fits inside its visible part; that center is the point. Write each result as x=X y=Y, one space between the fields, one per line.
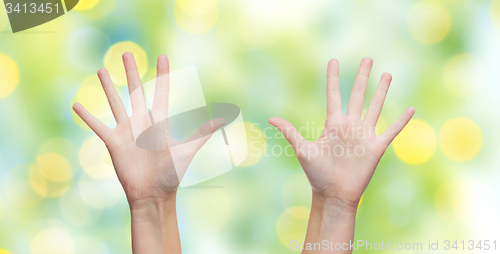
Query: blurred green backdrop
x=58 y=190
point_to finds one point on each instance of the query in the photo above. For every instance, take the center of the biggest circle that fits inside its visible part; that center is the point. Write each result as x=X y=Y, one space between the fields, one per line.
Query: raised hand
x=341 y=162
x=150 y=178
x=143 y=173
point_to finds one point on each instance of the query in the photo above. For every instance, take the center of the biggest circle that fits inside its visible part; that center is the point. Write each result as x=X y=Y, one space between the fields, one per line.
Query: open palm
x=145 y=173
x=341 y=162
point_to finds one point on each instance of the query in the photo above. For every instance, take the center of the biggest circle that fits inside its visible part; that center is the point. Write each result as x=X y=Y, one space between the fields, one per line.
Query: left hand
x=341 y=162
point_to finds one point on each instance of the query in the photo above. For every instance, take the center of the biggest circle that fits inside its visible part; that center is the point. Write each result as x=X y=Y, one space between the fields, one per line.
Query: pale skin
x=338 y=179
x=149 y=178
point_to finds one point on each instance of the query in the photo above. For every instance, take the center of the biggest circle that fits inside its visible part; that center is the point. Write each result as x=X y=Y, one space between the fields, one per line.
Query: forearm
x=154 y=226
x=331 y=222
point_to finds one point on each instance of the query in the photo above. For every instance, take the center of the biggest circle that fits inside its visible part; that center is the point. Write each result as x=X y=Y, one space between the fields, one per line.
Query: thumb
x=289 y=131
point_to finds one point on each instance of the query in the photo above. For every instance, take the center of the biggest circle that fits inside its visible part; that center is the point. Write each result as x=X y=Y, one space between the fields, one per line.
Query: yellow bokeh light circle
x=256 y=143
x=292 y=225
x=460 y=139
x=494 y=11
x=52 y=241
x=464 y=75
x=195 y=16
x=84 y=5
x=51 y=175
x=114 y=63
x=448 y=202
x=197 y=7
x=95 y=9
x=428 y=22
x=54 y=167
x=95 y=159
x=4 y=251
x=39 y=184
x=416 y=143
x=209 y=210
x=91 y=95
x=62 y=146
x=9 y=71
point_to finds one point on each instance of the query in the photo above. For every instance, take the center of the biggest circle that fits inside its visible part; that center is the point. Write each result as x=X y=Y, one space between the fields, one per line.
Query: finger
x=115 y=102
x=289 y=131
x=358 y=90
x=160 y=102
x=397 y=126
x=333 y=100
x=134 y=83
x=97 y=126
x=377 y=103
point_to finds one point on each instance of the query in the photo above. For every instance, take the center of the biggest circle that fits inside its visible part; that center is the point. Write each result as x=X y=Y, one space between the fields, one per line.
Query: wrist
x=330 y=219
x=334 y=206
x=154 y=225
x=153 y=209
x=141 y=203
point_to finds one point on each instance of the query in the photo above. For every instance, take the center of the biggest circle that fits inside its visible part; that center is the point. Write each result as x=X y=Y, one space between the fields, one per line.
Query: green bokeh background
x=269 y=58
